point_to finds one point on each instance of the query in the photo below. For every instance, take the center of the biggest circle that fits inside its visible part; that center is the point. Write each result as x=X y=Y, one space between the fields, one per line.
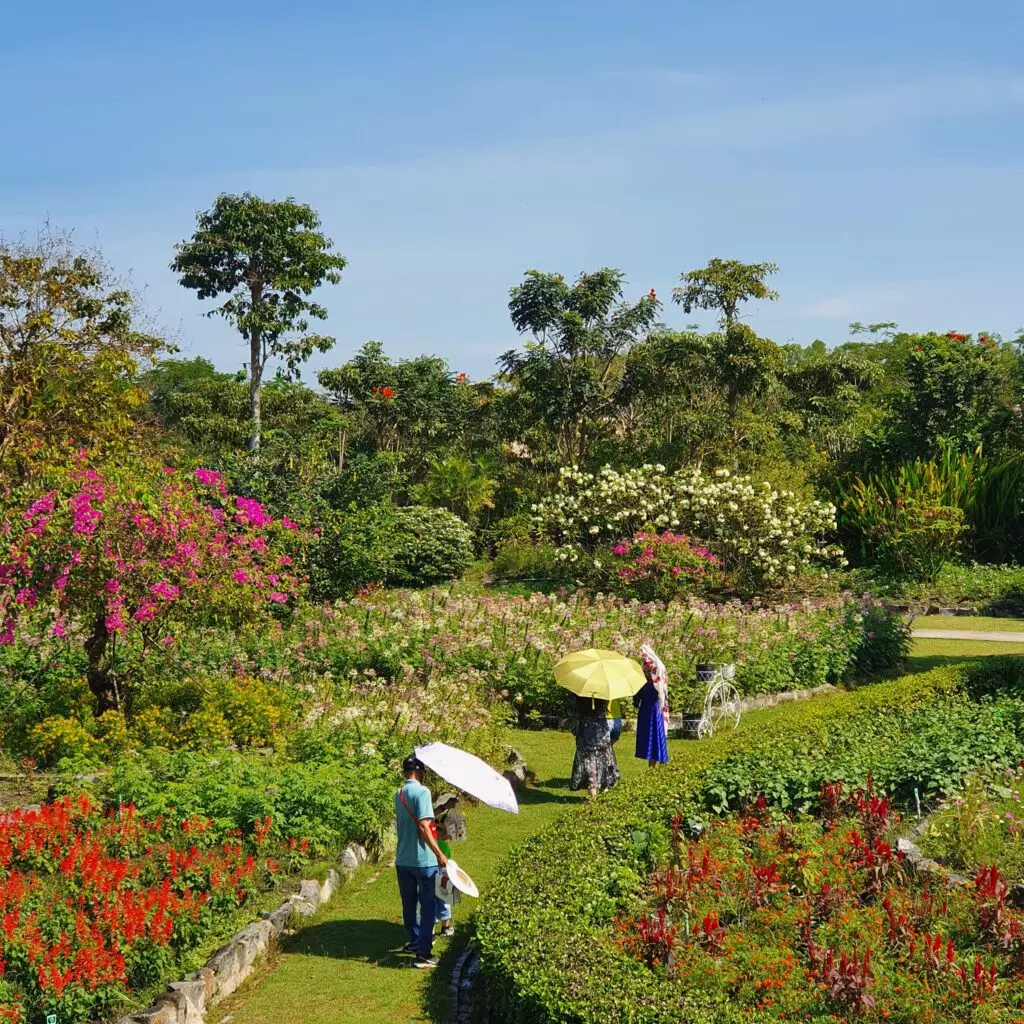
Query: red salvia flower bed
x=95 y=905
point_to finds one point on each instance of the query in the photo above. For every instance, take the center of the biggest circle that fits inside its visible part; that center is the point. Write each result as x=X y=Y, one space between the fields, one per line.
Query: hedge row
x=547 y=952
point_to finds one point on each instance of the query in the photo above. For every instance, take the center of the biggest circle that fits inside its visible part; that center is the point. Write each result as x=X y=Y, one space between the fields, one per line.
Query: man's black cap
x=412 y=764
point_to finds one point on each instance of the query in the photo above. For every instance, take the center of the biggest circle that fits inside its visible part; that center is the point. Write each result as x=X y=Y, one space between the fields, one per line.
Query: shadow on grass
x=532 y=795
x=375 y=942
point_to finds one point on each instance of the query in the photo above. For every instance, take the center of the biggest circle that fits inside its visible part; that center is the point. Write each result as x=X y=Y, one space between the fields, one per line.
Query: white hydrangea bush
x=758 y=531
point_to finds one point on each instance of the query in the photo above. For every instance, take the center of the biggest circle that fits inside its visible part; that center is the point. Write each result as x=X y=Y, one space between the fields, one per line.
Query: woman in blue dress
x=652 y=710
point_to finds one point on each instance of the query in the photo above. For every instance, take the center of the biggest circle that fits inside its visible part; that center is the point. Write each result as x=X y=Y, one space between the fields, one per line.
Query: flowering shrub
x=661 y=566
x=112 y=552
x=805 y=921
x=762 y=535
x=94 y=906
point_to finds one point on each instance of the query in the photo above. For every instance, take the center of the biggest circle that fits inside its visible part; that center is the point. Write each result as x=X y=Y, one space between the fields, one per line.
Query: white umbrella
x=468 y=773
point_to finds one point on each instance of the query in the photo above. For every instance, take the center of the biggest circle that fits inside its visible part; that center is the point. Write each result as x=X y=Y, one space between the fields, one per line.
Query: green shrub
x=387 y=545
x=523 y=560
x=547 y=951
x=327 y=802
x=430 y=545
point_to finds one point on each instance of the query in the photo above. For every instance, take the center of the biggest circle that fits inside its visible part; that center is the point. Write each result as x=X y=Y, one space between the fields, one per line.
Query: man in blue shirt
x=416 y=861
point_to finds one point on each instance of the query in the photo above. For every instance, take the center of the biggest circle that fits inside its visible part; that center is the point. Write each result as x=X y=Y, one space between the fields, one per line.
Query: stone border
x=186 y=1002
x=460 y=985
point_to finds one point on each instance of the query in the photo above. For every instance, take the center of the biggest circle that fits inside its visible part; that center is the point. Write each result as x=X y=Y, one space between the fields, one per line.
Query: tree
x=267 y=257
x=133 y=551
x=69 y=347
x=568 y=374
x=723 y=285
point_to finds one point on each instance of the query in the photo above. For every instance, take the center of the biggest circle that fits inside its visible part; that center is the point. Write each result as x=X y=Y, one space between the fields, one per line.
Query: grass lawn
x=928 y=654
x=970 y=622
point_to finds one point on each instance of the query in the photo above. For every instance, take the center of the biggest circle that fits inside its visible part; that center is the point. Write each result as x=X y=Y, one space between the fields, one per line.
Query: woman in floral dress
x=594 y=768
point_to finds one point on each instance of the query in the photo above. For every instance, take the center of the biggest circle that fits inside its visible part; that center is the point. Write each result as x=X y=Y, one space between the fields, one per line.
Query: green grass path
x=343 y=967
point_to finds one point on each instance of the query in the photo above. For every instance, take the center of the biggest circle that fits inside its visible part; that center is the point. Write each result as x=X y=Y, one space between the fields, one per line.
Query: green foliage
x=328 y=802
x=430 y=545
x=566 y=377
x=722 y=285
x=921 y=514
x=545 y=928
x=69 y=343
x=385 y=544
x=266 y=257
x=523 y=560
x=458 y=484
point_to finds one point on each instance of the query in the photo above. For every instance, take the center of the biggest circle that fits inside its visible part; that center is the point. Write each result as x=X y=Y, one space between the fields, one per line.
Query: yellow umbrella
x=604 y=675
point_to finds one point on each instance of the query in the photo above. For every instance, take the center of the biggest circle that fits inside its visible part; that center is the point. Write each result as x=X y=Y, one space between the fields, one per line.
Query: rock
x=194 y=995
x=348 y=860
x=279 y=918
x=162 y=1014
x=308 y=900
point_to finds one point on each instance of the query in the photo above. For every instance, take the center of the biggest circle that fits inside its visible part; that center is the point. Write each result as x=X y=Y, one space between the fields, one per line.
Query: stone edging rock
x=460 y=984
x=186 y=1002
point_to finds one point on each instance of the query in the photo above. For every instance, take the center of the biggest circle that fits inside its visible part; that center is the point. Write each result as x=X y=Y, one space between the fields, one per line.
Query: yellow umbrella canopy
x=603 y=675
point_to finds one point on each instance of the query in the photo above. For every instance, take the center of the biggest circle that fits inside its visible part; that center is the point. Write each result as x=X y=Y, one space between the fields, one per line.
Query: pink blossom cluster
x=127 y=549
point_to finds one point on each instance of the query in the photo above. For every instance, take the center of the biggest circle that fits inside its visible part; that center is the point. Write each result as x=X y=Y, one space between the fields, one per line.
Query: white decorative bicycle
x=722 y=707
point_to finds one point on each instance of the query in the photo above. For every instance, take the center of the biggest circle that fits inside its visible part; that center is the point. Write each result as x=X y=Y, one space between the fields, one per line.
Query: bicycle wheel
x=722 y=706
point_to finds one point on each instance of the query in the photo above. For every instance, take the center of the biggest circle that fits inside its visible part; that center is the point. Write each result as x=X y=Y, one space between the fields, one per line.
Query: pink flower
x=58 y=629
x=277 y=597
x=168 y=591
x=115 y=621
x=146 y=612
x=252 y=512
x=208 y=477
x=240 y=576
x=288 y=524
x=112 y=587
x=167 y=641
x=619 y=549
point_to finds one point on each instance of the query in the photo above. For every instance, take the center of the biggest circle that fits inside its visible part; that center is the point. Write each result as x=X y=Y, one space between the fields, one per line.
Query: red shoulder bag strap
x=433 y=824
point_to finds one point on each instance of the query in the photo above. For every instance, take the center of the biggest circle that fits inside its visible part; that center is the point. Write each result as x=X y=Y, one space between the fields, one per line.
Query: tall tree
x=568 y=374
x=267 y=257
x=69 y=346
x=723 y=285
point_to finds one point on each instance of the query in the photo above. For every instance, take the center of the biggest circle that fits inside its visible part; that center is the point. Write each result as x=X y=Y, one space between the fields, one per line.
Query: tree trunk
x=98 y=674
x=255 y=379
x=342 y=440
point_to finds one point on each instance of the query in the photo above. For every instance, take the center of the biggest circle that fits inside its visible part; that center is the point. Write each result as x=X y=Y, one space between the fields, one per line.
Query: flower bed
x=96 y=906
x=548 y=943
x=983 y=823
x=823 y=920
x=508 y=646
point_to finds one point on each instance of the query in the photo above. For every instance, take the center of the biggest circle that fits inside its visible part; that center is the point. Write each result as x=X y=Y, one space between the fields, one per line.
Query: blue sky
x=873 y=150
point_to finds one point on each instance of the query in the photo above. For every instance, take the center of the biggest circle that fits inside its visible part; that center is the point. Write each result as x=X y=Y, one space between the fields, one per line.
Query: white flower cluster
x=756 y=530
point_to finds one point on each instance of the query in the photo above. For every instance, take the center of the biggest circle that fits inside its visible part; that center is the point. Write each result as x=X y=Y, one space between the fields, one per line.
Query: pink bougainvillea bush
x=134 y=551
x=656 y=566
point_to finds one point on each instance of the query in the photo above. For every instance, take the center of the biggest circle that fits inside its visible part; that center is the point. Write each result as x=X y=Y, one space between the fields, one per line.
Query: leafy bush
x=545 y=927
x=762 y=535
x=387 y=545
x=663 y=566
x=431 y=545
x=327 y=802
x=527 y=561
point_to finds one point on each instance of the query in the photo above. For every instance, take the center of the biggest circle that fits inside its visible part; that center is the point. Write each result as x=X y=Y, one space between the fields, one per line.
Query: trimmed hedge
x=547 y=953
